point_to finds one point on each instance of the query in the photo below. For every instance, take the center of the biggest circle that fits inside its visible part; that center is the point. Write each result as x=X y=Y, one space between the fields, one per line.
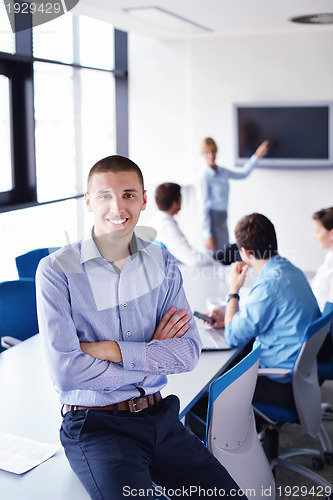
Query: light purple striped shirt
x=82 y=297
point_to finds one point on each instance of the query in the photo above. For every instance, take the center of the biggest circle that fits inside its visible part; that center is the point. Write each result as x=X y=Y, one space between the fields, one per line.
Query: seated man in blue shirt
x=114 y=321
x=279 y=307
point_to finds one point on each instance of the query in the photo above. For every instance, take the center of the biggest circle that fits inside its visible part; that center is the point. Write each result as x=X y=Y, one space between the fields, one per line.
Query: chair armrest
x=274 y=372
x=7 y=342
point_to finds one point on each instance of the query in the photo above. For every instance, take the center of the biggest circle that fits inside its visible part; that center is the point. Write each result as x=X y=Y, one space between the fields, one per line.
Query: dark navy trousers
x=116 y=456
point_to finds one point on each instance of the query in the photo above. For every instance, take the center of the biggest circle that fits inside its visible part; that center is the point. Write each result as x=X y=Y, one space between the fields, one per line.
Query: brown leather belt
x=132 y=405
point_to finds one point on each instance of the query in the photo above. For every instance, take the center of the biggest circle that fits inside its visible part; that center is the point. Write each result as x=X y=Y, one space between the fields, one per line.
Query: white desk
x=30 y=407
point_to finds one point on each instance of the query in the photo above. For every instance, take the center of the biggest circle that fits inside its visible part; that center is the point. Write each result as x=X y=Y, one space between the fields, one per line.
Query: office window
x=97 y=118
x=74 y=115
x=7 y=37
x=74 y=107
x=96 y=43
x=55 y=131
x=66 y=100
x=54 y=40
x=6 y=181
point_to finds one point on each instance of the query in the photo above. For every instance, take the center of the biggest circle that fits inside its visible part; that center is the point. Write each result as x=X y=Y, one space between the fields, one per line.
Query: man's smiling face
x=116 y=199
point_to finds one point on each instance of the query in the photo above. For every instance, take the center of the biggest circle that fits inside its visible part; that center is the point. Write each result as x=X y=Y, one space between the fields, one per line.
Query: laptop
x=212 y=339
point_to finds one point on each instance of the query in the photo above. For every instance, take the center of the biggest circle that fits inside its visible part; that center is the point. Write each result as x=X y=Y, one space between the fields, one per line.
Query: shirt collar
x=89 y=250
x=165 y=215
x=211 y=172
x=270 y=264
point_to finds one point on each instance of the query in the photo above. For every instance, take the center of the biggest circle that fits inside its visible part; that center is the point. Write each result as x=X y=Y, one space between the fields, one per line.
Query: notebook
x=212 y=339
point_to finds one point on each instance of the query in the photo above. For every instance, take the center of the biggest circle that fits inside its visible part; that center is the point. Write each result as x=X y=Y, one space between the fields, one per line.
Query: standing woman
x=322 y=283
x=214 y=191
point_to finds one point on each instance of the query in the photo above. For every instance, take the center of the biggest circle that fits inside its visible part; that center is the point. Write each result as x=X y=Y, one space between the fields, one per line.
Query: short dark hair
x=256 y=234
x=325 y=216
x=115 y=164
x=166 y=193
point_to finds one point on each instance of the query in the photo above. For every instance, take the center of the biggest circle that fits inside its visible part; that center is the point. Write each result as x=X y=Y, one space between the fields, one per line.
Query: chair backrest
x=18 y=316
x=325 y=368
x=328 y=309
x=157 y=242
x=26 y=264
x=231 y=432
x=306 y=388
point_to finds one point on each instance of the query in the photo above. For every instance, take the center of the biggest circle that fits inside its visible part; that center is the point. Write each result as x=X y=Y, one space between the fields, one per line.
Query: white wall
x=159 y=103
x=183 y=91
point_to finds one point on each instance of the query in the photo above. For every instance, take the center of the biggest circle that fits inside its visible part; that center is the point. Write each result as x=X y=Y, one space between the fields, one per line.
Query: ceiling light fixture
x=326 y=18
x=167 y=20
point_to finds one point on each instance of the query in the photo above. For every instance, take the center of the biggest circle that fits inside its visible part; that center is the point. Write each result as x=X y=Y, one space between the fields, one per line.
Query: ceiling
x=172 y=19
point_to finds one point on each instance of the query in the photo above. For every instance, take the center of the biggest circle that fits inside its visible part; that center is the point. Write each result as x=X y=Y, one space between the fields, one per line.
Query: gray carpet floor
x=290 y=484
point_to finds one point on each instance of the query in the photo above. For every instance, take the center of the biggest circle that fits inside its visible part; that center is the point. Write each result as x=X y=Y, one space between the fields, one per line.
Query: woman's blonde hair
x=207 y=142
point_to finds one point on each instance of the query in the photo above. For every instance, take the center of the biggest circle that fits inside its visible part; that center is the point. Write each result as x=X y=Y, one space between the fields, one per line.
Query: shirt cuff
x=251 y=163
x=227 y=334
x=207 y=233
x=134 y=355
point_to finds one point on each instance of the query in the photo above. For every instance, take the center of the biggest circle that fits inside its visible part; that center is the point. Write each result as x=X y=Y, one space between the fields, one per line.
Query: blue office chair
x=325 y=369
x=307 y=410
x=26 y=264
x=18 y=315
x=157 y=242
x=231 y=432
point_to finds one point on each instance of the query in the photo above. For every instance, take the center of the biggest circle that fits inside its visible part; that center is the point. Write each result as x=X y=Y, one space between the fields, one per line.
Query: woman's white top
x=322 y=283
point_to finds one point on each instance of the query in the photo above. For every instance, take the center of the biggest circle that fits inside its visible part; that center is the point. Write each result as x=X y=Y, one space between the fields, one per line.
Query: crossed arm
x=172 y=325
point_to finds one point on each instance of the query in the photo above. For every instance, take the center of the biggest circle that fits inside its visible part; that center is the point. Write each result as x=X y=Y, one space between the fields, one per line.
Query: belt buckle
x=132 y=406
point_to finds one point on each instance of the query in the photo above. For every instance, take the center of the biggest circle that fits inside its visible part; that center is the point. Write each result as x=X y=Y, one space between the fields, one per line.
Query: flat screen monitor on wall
x=300 y=135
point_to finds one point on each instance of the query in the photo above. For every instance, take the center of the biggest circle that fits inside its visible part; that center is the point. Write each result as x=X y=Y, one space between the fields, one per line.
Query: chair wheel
x=317 y=463
x=328 y=458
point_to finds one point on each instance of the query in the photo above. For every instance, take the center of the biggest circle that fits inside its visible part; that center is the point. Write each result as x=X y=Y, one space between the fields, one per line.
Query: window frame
x=5 y=71
x=18 y=67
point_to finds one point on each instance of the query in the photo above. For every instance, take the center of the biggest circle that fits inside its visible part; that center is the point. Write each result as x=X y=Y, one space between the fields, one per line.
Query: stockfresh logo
x=24 y=14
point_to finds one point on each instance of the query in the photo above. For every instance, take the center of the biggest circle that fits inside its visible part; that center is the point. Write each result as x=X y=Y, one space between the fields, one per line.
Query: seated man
x=279 y=307
x=168 y=199
x=114 y=321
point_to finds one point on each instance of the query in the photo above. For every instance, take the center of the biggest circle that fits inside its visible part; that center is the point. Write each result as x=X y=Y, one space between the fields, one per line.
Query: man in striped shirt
x=115 y=321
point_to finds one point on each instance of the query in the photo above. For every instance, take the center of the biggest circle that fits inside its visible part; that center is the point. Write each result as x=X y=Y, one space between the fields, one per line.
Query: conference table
x=30 y=406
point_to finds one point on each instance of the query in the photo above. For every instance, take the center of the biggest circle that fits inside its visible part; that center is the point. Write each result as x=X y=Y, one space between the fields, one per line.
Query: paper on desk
x=18 y=454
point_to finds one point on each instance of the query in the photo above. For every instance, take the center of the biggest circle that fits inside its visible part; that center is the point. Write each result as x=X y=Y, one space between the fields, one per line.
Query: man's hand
x=172 y=325
x=237 y=276
x=210 y=243
x=262 y=150
x=236 y=279
x=218 y=315
x=106 y=350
